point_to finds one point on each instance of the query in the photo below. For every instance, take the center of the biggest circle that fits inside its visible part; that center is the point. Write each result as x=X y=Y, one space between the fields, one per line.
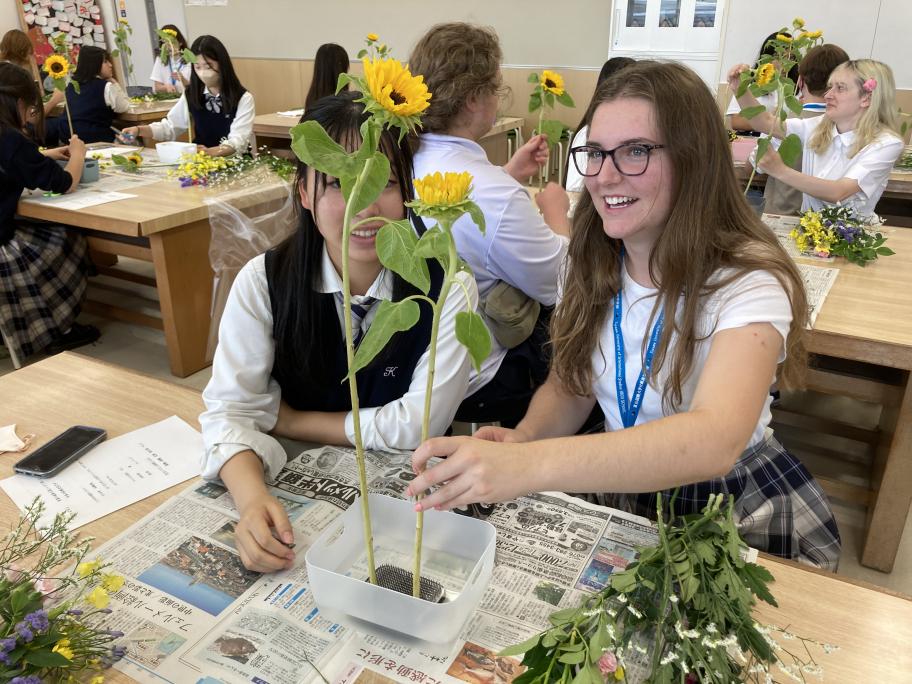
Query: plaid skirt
x=42 y=284
x=779 y=506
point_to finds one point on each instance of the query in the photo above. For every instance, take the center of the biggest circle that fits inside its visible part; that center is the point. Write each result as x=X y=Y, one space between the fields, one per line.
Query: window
x=670 y=14
x=705 y=14
x=636 y=13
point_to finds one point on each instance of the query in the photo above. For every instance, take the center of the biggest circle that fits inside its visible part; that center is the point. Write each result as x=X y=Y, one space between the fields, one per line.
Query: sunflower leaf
x=790 y=149
x=375 y=176
x=751 y=112
x=793 y=104
x=477 y=216
x=397 y=250
x=553 y=130
x=535 y=102
x=188 y=56
x=391 y=317
x=344 y=80
x=533 y=78
x=549 y=99
x=434 y=244
x=565 y=99
x=473 y=334
x=315 y=148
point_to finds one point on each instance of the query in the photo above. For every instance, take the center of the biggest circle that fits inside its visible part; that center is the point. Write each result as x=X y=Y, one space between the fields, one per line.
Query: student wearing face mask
x=221 y=108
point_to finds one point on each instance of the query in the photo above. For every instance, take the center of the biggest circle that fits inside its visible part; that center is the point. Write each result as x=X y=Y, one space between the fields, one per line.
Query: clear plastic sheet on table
x=247 y=218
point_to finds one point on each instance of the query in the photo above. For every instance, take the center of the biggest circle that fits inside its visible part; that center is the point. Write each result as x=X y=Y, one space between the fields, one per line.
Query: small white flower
x=633 y=611
x=829 y=648
x=787 y=635
x=669 y=657
x=711 y=628
x=622 y=598
x=673 y=598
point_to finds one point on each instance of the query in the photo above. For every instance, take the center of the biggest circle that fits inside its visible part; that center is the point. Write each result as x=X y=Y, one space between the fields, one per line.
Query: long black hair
x=300 y=350
x=331 y=61
x=89 y=63
x=230 y=90
x=17 y=84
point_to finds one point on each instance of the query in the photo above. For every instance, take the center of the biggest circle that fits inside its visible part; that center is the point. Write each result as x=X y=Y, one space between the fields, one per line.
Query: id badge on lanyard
x=629 y=407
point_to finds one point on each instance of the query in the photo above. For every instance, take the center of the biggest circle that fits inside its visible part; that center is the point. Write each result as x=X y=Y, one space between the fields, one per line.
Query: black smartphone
x=49 y=459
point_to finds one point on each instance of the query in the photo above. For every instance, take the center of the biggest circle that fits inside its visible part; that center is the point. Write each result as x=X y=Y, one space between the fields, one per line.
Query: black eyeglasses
x=631 y=159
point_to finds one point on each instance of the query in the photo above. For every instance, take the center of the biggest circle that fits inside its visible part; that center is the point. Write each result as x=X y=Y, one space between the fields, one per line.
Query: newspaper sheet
x=191 y=612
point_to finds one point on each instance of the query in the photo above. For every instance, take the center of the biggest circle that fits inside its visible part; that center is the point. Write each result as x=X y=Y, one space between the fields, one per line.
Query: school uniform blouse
x=162 y=73
x=518 y=247
x=870 y=167
x=239 y=136
x=242 y=398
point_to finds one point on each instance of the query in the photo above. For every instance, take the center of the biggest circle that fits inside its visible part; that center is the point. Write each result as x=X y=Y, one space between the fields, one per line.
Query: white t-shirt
x=756 y=297
x=870 y=167
x=162 y=73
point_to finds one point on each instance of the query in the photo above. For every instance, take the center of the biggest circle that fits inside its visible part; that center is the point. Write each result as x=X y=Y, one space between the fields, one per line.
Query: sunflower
x=135 y=158
x=170 y=32
x=373 y=37
x=57 y=66
x=443 y=190
x=392 y=86
x=552 y=82
x=783 y=38
x=765 y=74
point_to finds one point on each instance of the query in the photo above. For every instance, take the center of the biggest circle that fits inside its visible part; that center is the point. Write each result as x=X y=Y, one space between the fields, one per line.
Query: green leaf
x=376 y=176
x=794 y=104
x=19 y=600
x=396 y=246
x=45 y=659
x=751 y=112
x=762 y=146
x=473 y=334
x=565 y=99
x=533 y=78
x=370 y=138
x=549 y=99
x=516 y=649
x=362 y=54
x=598 y=642
x=745 y=79
x=434 y=244
x=188 y=56
x=535 y=102
x=345 y=78
x=562 y=617
x=391 y=317
x=885 y=251
x=571 y=648
x=477 y=216
x=572 y=658
x=314 y=147
x=756 y=577
x=119 y=159
x=790 y=149
x=553 y=130
x=623 y=582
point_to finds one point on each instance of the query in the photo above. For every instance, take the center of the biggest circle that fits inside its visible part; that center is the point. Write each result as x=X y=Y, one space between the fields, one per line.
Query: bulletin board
x=79 y=20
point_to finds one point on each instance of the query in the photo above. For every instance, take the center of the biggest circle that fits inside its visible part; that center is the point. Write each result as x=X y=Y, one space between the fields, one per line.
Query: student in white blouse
x=281 y=356
x=847 y=153
x=173 y=76
x=221 y=108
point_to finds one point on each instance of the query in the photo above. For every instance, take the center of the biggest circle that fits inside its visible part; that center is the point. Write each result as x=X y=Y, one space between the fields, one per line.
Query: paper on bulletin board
x=116 y=473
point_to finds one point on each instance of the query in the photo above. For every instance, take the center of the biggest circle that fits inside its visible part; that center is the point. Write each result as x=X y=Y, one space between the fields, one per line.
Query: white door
x=687 y=31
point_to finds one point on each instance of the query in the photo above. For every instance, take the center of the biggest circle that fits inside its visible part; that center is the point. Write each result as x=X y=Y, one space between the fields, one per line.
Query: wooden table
x=145 y=113
x=873 y=628
x=169 y=226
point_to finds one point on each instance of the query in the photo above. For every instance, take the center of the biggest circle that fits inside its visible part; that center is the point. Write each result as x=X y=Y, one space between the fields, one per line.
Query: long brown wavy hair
x=710 y=227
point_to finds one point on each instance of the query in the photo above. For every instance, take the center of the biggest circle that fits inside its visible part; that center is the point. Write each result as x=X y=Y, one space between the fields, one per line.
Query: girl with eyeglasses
x=677 y=307
x=848 y=153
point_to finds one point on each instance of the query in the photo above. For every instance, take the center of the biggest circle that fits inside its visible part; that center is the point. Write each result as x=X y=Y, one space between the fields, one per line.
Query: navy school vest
x=210 y=128
x=388 y=376
x=92 y=118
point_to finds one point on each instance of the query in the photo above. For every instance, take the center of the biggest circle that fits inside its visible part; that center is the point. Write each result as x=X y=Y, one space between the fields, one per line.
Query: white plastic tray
x=343 y=594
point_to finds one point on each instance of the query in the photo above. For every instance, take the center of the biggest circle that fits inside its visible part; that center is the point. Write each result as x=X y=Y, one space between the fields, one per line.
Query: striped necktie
x=360 y=305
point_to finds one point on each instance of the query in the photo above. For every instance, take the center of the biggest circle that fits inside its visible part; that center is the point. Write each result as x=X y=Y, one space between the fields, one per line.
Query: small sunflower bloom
x=98 y=598
x=56 y=66
x=170 y=32
x=814 y=35
x=765 y=74
x=552 y=82
x=372 y=37
x=798 y=23
x=63 y=648
x=448 y=189
x=783 y=38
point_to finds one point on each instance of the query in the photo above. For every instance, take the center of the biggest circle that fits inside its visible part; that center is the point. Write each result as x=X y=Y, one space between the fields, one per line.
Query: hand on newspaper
x=264 y=537
x=474 y=470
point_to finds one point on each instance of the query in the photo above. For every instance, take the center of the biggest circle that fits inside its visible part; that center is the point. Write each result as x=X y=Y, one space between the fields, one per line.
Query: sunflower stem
x=352 y=383
x=541 y=171
x=66 y=108
x=446 y=226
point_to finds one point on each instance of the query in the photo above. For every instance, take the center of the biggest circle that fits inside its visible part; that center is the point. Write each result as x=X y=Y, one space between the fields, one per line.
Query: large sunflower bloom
x=57 y=66
x=765 y=74
x=394 y=88
x=552 y=82
x=443 y=190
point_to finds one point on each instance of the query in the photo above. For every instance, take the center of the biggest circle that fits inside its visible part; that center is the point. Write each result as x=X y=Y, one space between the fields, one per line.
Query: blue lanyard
x=630 y=408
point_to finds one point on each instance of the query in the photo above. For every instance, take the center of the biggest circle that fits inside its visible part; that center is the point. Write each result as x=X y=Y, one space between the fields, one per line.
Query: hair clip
x=869 y=85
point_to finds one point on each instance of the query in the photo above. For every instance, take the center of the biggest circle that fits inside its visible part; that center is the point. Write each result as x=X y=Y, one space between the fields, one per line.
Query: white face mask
x=208 y=76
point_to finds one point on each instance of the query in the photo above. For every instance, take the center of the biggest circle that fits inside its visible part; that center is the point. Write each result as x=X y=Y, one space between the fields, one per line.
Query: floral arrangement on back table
x=51 y=623
x=395 y=99
x=201 y=169
x=771 y=76
x=549 y=89
x=837 y=231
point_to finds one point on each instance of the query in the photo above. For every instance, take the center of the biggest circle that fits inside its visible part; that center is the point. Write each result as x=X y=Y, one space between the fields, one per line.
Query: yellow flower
x=765 y=74
x=87 y=568
x=798 y=22
x=784 y=38
x=552 y=82
x=394 y=88
x=437 y=189
x=170 y=32
x=113 y=582
x=98 y=679
x=814 y=35
x=372 y=37
x=57 y=66
x=63 y=648
x=619 y=673
x=98 y=598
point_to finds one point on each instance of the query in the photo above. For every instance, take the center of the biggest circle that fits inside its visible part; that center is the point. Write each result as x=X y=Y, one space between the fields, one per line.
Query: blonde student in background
x=847 y=153
x=677 y=305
